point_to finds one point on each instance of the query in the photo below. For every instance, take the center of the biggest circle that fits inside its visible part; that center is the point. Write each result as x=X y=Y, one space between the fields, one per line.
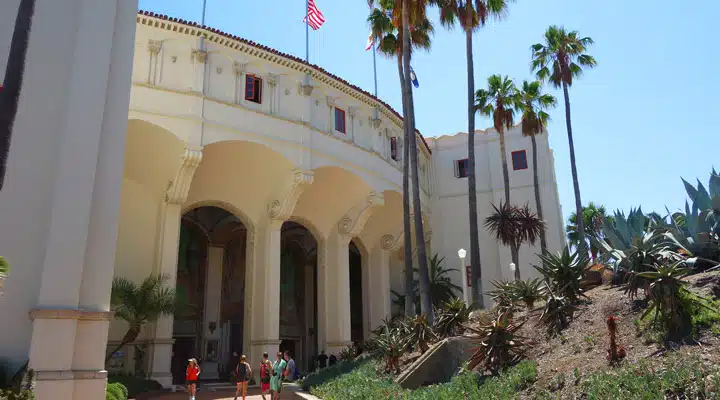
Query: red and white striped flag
x=370 y=42
x=315 y=17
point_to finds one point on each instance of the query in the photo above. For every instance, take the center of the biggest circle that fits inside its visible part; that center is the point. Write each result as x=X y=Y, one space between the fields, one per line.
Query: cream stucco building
x=273 y=205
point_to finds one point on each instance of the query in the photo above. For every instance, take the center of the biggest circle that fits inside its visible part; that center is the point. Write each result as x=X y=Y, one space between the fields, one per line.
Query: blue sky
x=640 y=119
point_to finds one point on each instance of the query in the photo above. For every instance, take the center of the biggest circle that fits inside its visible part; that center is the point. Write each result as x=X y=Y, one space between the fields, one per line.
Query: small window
x=339 y=120
x=461 y=168
x=253 y=89
x=393 y=148
x=519 y=160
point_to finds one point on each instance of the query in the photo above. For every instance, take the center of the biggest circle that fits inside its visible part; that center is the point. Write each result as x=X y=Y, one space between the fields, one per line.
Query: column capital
x=354 y=220
x=392 y=241
x=154 y=46
x=239 y=68
x=178 y=190
x=199 y=55
x=281 y=206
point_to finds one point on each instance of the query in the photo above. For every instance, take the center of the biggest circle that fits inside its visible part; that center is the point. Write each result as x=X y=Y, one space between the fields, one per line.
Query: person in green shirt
x=278 y=373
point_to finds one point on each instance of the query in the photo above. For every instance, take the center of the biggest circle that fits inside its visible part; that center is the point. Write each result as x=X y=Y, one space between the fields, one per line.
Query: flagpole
x=202 y=22
x=307 y=31
x=375 y=70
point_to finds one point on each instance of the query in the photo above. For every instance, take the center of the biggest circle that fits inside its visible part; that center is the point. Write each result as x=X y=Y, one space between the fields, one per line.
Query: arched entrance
x=298 y=294
x=210 y=286
x=357 y=310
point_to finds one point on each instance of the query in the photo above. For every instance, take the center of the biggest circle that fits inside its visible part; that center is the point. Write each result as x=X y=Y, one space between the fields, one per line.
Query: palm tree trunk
x=407 y=228
x=129 y=337
x=10 y=94
x=475 y=267
x=582 y=246
x=425 y=300
x=538 y=202
x=506 y=174
x=514 y=250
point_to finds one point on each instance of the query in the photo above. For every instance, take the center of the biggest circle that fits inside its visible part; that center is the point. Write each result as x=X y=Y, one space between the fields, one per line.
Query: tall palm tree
x=389 y=39
x=140 y=304
x=10 y=89
x=471 y=15
x=593 y=218
x=560 y=60
x=514 y=226
x=405 y=12
x=532 y=102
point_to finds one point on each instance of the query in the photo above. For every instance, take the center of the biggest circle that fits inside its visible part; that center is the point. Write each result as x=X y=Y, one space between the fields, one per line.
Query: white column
x=378 y=292
x=63 y=187
x=160 y=351
x=213 y=291
x=263 y=304
x=334 y=293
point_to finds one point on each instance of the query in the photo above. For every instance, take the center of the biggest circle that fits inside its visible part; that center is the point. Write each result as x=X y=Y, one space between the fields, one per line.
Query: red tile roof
x=279 y=53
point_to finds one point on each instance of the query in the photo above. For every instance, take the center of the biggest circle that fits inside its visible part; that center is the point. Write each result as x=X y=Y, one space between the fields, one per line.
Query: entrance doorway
x=356 y=294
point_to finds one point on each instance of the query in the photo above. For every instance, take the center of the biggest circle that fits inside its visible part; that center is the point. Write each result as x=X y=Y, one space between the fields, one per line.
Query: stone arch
x=241 y=175
x=333 y=193
x=230 y=208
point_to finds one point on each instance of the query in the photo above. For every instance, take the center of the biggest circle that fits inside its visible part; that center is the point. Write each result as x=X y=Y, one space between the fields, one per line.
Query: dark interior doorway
x=356 y=294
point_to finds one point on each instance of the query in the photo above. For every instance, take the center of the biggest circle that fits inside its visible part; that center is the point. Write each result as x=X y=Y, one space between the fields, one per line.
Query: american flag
x=315 y=17
x=370 y=42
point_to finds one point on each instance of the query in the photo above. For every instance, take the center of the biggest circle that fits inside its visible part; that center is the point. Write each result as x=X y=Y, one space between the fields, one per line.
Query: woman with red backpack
x=265 y=374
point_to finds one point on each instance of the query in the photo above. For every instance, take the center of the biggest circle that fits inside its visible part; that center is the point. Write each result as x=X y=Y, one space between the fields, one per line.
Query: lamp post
x=463 y=271
x=513 y=267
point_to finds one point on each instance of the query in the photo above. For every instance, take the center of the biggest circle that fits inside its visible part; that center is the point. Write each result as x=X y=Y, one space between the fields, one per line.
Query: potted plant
x=4 y=270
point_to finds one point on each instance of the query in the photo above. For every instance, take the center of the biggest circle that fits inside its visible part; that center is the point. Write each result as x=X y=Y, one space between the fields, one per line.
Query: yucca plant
x=498 y=343
x=348 y=353
x=391 y=344
x=419 y=332
x=665 y=293
x=529 y=291
x=503 y=295
x=558 y=312
x=451 y=317
x=564 y=271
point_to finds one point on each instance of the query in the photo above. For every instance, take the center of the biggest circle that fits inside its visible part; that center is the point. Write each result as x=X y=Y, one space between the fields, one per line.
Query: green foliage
x=419 y=332
x=562 y=56
x=513 y=225
x=563 y=272
x=348 y=353
x=361 y=382
x=442 y=289
x=498 y=102
x=139 y=304
x=498 y=344
x=664 y=293
x=449 y=319
x=116 y=391
x=503 y=295
x=558 y=312
x=134 y=385
x=391 y=343
x=593 y=217
x=20 y=384
x=324 y=375
x=678 y=378
x=529 y=291
x=4 y=266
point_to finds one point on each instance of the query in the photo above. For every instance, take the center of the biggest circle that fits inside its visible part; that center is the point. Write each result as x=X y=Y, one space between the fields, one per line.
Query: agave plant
x=348 y=353
x=449 y=319
x=391 y=344
x=558 y=312
x=419 y=332
x=503 y=295
x=498 y=343
x=529 y=291
x=665 y=293
x=564 y=271
x=4 y=266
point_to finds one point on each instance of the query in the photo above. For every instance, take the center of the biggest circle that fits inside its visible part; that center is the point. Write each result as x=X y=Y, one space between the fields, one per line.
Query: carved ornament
x=179 y=188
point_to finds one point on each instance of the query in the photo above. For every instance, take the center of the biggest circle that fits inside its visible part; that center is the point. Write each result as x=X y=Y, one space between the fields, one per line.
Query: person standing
x=290 y=371
x=191 y=377
x=322 y=360
x=265 y=374
x=277 y=377
x=243 y=373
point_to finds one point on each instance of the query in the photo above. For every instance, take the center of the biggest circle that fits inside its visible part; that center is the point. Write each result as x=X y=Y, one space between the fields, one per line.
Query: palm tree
x=471 y=15
x=138 y=305
x=404 y=13
x=498 y=102
x=441 y=286
x=561 y=59
x=593 y=217
x=390 y=42
x=10 y=90
x=533 y=103
x=514 y=226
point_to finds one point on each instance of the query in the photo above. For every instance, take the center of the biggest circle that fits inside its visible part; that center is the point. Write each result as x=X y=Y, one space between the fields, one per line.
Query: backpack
x=242 y=371
x=264 y=373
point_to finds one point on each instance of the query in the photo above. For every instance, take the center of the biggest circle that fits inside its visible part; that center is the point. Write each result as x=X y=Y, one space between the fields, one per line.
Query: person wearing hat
x=191 y=377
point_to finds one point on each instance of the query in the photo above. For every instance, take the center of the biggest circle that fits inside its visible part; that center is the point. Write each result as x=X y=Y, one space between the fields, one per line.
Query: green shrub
x=498 y=344
x=317 y=378
x=564 y=271
x=449 y=319
x=116 y=391
x=358 y=381
x=17 y=385
x=678 y=378
x=135 y=385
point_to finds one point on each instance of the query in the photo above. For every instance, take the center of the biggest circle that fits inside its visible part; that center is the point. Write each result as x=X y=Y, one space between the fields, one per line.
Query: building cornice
x=254 y=49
